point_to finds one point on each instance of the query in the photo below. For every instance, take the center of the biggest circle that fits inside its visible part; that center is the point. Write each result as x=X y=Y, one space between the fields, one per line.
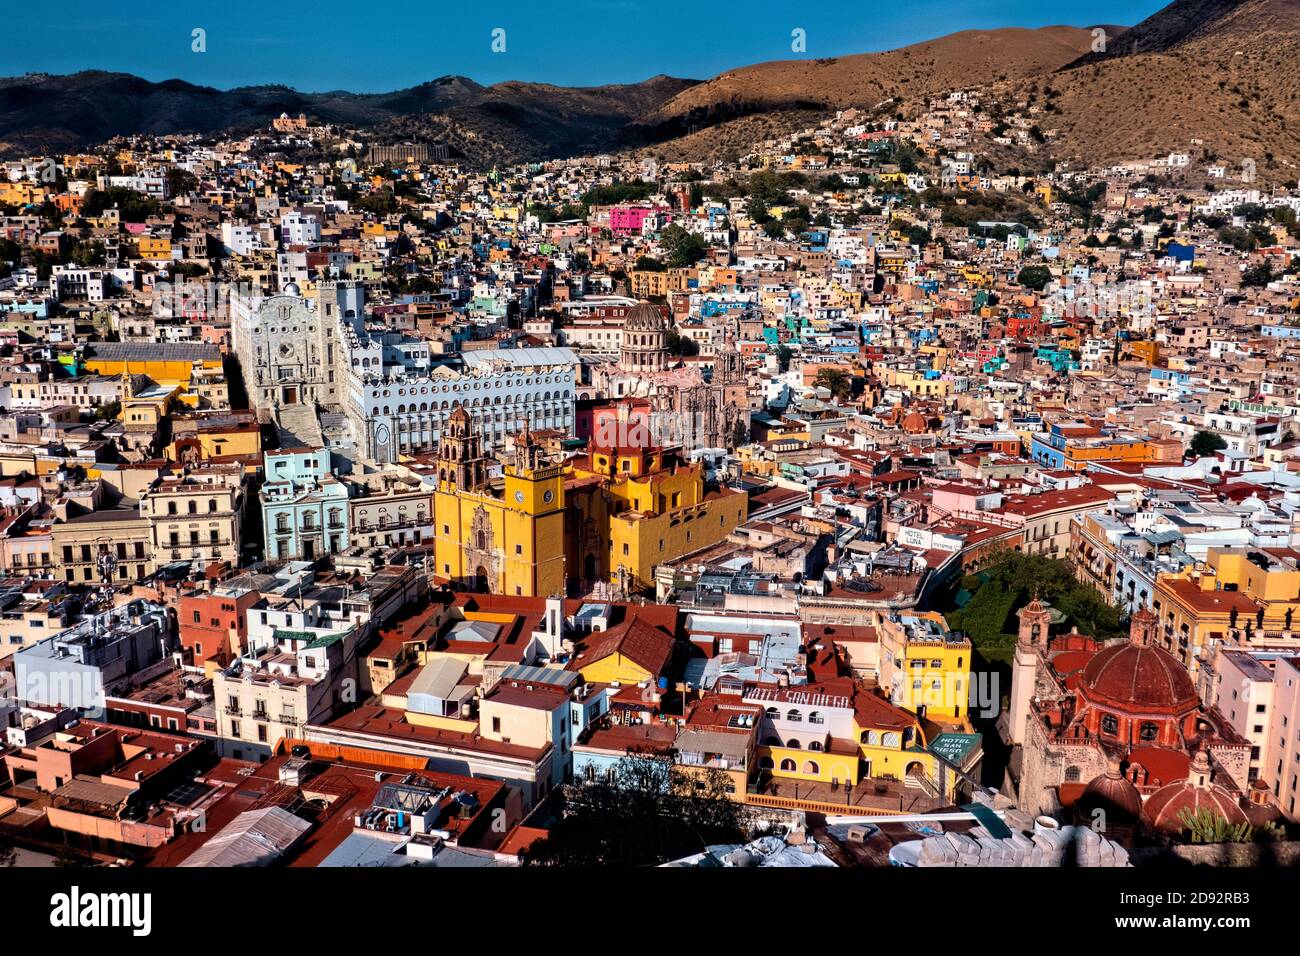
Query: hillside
x=1215 y=78
x=1222 y=72
x=969 y=58
x=40 y=112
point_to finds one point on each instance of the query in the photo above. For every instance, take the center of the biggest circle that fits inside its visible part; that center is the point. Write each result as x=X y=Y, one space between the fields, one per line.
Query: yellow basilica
x=545 y=529
x=502 y=537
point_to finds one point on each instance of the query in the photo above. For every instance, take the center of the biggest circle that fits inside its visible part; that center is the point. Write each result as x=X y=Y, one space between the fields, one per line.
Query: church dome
x=1165 y=809
x=644 y=317
x=1135 y=677
x=1114 y=794
x=915 y=423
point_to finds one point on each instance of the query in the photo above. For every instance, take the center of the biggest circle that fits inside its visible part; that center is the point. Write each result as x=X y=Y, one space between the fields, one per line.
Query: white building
x=398 y=404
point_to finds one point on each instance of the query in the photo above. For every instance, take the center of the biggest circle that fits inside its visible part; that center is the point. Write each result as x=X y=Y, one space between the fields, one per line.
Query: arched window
x=816 y=718
x=793 y=716
x=193 y=507
x=773 y=714
x=788 y=765
x=810 y=766
x=815 y=745
x=1110 y=725
x=1148 y=731
x=1071 y=774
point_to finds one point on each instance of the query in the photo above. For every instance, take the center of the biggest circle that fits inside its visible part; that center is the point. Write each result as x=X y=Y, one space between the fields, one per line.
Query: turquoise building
x=304 y=507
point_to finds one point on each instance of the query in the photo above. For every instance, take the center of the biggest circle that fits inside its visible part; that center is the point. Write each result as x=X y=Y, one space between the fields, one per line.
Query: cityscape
x=849 y=463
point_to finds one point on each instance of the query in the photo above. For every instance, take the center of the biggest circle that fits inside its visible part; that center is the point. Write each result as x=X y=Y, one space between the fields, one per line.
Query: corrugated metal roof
x=521 y=358
x=153 y=351
x=554 y=676
x=438 y=678
x=254 y=838
x=91 y=790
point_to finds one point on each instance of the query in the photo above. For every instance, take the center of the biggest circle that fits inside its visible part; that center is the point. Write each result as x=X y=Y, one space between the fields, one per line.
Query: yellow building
x=916 y=383
x=90 y=547
x=838 y=732
x=21 y=194
x=807 y=732
x=506 y=537
x=1144 y=351
x=926 y=667
x=155 y=249
x=167 y=363
x=232 y=434
x=146 y=411
x=1241 y=596
x=647 y=283
x=634 y=508
x=637 y=651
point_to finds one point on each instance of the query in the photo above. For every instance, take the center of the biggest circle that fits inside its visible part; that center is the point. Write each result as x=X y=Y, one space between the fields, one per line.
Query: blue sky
x=329 y=45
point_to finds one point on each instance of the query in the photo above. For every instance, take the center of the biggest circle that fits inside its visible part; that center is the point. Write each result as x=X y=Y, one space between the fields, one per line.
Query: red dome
x=1163 y=810
x=1115 y=794
x=1138 y=678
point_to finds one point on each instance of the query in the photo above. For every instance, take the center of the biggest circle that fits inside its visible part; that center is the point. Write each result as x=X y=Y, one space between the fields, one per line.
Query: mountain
x=1213 y=78
x=1217 y=79
x=966 y=59
x=1189 y=21
x=39 y=111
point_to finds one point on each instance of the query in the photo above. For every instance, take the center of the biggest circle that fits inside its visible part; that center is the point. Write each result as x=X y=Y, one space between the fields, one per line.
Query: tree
x=1011 y=582
x=67 y=856
x=1035 y=277
x=1205 y=443
x=545 y=213
x=180 y=181
x=679 y=344
x=1257 y=276
x=87 y=254
x=682 y=248
x=836 y=381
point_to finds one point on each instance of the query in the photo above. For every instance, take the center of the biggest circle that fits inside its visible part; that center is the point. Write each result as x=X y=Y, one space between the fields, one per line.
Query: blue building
x=304 y=507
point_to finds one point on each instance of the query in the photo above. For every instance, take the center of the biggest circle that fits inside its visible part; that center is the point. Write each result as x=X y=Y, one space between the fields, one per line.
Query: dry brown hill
x=1224 y=72
x=959 y=60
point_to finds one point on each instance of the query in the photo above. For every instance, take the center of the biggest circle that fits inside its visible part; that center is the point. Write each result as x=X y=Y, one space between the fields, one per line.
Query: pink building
x=956 y=498
x=630 y=220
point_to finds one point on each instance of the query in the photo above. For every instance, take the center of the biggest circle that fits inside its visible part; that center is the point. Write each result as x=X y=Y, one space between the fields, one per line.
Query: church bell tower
x=1031 y=643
